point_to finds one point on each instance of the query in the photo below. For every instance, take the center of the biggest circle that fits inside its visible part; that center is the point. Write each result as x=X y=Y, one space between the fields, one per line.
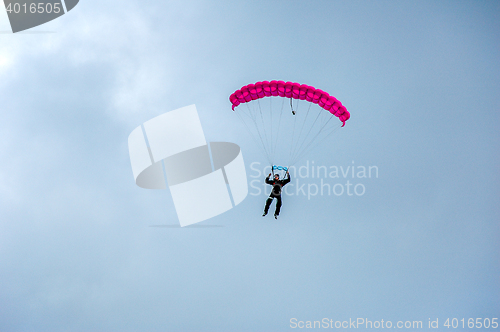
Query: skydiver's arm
x=267 y=179
x=288 y=179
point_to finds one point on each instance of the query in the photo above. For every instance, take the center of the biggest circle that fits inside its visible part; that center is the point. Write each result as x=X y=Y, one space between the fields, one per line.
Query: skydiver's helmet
x=276 y=176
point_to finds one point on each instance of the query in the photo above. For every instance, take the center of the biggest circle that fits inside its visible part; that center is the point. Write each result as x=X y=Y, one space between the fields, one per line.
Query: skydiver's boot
x=275 y=216
x=264 y=214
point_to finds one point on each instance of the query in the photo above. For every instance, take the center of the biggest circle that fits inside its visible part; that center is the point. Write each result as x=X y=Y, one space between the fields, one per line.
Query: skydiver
x=275 y=192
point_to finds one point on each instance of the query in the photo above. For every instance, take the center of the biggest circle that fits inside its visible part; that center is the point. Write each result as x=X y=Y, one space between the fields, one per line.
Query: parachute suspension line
x=271 y=114
x=254 y=118
x=303 y=151
x=262 y=147
x=279 y=124
x=303 y=124
x=264 y=128
x=297 y=106
x=293 y=135
x=294 y=142
x=299 y=148
x=306 y=150
x=251 y=134
x=241 y=110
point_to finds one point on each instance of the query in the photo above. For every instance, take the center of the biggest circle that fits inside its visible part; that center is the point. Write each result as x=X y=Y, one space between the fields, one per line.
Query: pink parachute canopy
x=290 y=90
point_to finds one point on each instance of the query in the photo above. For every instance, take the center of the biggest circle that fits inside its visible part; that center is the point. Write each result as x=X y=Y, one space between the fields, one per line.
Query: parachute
x=283 y=136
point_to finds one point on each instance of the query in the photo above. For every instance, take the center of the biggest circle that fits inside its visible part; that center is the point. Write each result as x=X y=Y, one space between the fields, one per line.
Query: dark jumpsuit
x=275 y=193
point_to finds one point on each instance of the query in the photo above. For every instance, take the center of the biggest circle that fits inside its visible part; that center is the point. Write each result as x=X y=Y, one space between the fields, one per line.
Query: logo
x=205 y=179
x=25 y=15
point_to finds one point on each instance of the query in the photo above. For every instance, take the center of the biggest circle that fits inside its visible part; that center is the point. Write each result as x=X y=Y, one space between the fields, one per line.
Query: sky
x=82 y=247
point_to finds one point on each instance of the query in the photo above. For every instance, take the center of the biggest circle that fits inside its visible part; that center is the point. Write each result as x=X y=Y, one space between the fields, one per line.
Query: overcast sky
x=421 y=80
